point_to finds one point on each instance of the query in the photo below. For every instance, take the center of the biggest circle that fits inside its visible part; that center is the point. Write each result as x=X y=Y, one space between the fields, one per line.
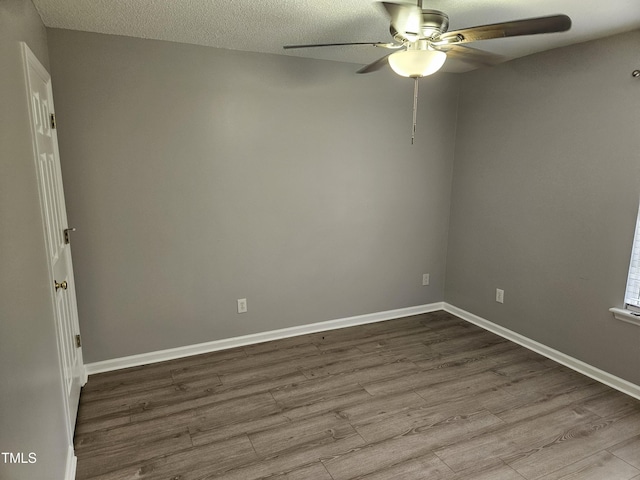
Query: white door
x=54 y=218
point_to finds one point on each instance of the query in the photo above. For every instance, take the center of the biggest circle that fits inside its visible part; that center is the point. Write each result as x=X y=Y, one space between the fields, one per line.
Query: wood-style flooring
x=423 y=397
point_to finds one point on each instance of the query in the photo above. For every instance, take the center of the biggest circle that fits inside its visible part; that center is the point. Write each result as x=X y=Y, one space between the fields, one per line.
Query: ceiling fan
x=422 y=41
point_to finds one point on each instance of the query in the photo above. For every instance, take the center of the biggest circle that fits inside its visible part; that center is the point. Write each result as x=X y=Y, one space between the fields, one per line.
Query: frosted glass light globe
x=417 y=63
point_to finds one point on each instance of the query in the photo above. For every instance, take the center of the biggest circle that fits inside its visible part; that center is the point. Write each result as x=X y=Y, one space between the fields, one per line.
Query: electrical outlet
x=242 y=305
x=499 y=295
x=425 y=279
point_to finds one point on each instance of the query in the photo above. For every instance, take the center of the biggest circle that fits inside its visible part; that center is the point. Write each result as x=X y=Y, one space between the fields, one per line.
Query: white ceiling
x=266 y=25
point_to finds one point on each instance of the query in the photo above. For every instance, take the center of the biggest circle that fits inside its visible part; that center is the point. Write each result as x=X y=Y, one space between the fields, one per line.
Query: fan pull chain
x=415 y=99
x=415 y=109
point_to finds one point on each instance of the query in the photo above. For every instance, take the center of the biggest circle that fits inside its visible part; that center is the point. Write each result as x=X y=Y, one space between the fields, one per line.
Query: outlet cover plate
x=242 y=305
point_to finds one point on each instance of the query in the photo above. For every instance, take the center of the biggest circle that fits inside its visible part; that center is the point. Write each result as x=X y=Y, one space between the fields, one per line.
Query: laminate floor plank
x=204 y=431
x=103 y=422
x=330 y=402
x=447 y=388
x=114 y=456
x=439 y=425
x=380 y=407
x=142 y=400
x=258 y=373
x=599 y=466
x=377 y=456
x=350 y=365
x=132 y=433
x=251 y=386
x=240 y=363
x=491 y=469
x=315 y=430
x=403 y=330
x=511 y=439
x=289 y=461
x=226 y=412
x=611 y=402
x=117 y=388
x=317 y=389
x=194 y=463
x=437 y=359
x=466 y=367
x=506 y=397
x=282 y=344
x=419 y=342
x=315 y=471
x=572 y=444
x=422 y=397
x=423 y=336
x=467 y=341
x=140 y=375
x=482 y=370
x=328 y=357
x=425 y=467
x=202 y=398
x=544 y=381
x=128 y=377
x=532 y=406
x=628 y=450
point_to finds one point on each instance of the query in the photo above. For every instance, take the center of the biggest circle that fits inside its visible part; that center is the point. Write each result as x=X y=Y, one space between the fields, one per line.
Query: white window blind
x=632 y=293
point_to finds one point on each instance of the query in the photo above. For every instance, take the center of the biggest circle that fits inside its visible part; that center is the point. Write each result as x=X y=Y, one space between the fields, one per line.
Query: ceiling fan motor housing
x=434 y=23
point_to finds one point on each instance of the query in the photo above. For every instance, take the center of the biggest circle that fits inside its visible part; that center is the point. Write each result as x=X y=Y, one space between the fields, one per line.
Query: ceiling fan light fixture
x=417 y=63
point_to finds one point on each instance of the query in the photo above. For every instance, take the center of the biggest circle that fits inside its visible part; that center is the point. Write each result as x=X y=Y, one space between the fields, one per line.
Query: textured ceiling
x=267 y=25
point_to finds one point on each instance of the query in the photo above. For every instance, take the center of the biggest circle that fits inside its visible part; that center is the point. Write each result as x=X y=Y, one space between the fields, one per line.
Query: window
x=632 y=293
x=631 y=311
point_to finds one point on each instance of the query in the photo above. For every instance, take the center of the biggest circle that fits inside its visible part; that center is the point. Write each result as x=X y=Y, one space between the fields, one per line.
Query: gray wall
x=31 y=402
x=545 y=196
x=198 y=176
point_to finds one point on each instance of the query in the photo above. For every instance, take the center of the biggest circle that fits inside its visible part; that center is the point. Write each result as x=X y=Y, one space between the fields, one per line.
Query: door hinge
x=53 y=121
x=78 y=341
x=67 y=239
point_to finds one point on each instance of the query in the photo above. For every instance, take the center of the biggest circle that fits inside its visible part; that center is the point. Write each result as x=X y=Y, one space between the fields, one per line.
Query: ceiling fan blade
x=529 y=26
x=377 y=65
x=405 y=19
x=374 y=44
x=473 y=56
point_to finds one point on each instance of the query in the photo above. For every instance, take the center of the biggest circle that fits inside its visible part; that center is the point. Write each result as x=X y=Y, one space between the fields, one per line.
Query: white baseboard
x=173 y=353
x=72 y=462
x=224 y=344
x=579 y=366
